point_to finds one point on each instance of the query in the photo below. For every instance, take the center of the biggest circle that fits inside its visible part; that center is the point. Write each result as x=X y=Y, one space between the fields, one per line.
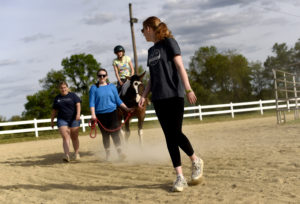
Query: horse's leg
x=127 y=131
x=122 y=136
x=121 y=133
x=140 y=129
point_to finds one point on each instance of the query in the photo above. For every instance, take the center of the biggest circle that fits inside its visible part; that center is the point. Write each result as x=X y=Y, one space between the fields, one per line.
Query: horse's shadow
x=42 y=160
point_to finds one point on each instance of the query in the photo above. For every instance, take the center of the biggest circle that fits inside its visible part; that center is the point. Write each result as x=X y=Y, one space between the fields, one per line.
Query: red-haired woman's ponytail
x=162 y=31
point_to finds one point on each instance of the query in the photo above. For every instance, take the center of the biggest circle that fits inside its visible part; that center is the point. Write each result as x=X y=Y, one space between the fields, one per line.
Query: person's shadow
x=43 y=160
x=56 y=159
x=102 y=188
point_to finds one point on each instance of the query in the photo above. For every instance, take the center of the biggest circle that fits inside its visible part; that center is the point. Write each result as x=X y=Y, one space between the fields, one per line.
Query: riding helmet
x=119 y=48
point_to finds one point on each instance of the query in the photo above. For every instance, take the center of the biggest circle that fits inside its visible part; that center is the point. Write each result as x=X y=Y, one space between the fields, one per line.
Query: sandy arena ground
x=246 y=161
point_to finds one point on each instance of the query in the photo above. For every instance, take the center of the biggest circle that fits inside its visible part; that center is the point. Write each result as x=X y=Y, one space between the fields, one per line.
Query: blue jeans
x=72 y=123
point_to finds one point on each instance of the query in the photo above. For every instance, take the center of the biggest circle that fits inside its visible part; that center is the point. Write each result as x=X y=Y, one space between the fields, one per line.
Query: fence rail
x=194 y=111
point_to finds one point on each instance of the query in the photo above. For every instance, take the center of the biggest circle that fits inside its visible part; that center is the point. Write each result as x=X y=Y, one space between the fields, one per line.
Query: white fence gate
x=287 y=89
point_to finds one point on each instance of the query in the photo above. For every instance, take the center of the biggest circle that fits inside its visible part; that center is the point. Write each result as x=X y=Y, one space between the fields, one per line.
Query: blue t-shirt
x=66 y=106
x=105 y=99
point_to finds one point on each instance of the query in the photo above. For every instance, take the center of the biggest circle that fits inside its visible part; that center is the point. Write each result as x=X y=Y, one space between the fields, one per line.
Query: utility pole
x=132 y=21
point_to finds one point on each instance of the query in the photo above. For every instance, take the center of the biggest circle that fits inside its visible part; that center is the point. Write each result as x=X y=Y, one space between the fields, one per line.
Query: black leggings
x=109 y=121
x=170 y=115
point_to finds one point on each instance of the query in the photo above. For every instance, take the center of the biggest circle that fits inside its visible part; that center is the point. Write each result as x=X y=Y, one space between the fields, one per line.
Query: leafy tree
x=286 y=59
x=297 y=51
x=39 y=105
x=81 y=71
x=196 y=67
x=2 y=119
x=15 y=118
x=146 y=77
x=258 y=82
x=281 y=59
x=52 y=80
x=219 y=78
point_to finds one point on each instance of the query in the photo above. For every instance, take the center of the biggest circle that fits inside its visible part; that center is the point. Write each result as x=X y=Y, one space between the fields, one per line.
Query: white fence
x=194 y=111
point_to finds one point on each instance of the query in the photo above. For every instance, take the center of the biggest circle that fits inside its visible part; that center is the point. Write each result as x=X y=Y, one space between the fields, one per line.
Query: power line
x=282 y=12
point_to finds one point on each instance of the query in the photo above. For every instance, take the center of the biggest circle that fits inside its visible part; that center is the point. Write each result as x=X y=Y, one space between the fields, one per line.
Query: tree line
x=216 y=77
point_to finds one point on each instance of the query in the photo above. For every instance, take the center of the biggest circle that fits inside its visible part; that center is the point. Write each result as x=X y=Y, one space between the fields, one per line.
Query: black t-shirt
x=66 y=106
x=165 y=79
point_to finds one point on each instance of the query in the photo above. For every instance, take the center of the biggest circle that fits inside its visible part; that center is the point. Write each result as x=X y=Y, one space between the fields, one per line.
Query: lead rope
x=92 y=125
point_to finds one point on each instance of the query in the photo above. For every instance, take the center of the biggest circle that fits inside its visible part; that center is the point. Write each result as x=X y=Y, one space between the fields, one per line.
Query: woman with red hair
x=168 y=83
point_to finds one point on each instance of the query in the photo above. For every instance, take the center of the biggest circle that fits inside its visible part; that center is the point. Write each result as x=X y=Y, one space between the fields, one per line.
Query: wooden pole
x=132 y=21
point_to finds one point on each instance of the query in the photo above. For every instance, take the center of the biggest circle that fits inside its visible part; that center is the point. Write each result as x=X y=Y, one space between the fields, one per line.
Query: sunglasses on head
x=101 y=75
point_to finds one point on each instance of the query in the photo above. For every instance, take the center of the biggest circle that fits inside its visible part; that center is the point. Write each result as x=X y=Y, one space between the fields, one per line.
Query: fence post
x=296 y=113
x=82 y=122
x=200 y=112
x=231 y=107
x=36 y=128
x=261 y=107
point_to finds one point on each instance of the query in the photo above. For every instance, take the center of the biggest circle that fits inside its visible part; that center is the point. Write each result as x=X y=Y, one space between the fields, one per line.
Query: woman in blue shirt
x=104 y=100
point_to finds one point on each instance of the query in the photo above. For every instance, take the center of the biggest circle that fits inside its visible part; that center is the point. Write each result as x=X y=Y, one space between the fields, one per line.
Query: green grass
x=44 y=135
x=23 y=137
x=292 y=121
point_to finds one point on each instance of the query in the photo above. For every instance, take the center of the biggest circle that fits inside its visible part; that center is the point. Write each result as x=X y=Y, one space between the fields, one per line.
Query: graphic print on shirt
x=62 y=100
x=124 y=70
x=123 y=66
x=154 y=57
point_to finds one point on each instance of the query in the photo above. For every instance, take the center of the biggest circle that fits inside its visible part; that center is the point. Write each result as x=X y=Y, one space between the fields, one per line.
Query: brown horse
x=130 y=94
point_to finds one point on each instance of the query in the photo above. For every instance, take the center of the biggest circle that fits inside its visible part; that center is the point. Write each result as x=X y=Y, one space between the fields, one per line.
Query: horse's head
x=134 y=91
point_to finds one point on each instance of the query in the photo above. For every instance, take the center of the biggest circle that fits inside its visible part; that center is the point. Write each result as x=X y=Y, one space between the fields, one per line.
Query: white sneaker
x=197 y=169
x=179 y=184
x=77 y=156
x=66 y=158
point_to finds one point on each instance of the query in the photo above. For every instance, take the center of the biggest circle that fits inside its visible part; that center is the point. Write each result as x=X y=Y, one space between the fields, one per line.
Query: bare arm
x=147 y=89
x=184 y=77
x=117 y=74
x=123 y=106
x=131 y=68
x=53 y=114
x=93 y=115
x=145 y=94
x=78 y=110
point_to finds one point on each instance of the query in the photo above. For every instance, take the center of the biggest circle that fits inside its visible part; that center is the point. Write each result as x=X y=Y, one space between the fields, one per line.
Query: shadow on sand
x=43 y=160
x=67 y=186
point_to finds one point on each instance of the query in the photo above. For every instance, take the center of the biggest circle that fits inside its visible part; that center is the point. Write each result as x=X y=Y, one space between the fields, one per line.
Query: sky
x=36 y=35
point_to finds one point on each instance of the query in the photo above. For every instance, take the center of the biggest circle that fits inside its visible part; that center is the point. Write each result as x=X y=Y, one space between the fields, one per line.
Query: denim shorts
x=72 y=123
